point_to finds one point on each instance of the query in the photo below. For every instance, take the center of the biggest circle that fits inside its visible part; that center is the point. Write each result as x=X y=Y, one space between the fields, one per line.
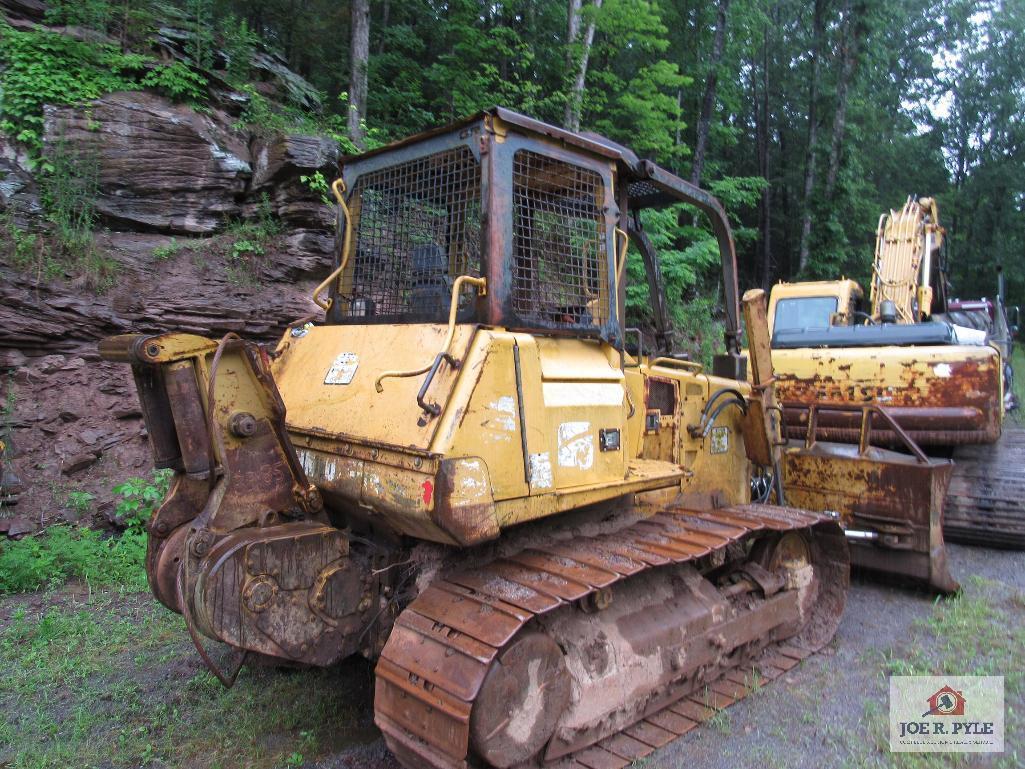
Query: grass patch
x=171 y=248
x=106 y=677
x=64 y=248
x=980 y=631
x=245 y=243
x=114 y=682
x=63 y=553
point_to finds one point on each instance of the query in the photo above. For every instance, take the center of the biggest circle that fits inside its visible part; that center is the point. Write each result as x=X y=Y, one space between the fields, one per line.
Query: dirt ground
x=108 y=679
x=832 y=710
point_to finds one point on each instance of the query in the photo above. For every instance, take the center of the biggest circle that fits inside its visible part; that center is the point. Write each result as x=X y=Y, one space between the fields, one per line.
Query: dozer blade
x=986 y=501
x=890 y=505
x=598 y=650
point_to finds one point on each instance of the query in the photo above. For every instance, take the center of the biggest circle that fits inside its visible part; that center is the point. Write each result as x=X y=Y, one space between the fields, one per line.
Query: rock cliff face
x=163 y=167
x=171 y=181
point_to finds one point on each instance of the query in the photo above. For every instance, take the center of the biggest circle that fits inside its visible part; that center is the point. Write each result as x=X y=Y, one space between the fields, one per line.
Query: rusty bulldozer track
x=986 y=499
x=441 y=696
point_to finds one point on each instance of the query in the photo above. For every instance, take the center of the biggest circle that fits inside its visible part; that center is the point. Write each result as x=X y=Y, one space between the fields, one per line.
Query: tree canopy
x=807 y=119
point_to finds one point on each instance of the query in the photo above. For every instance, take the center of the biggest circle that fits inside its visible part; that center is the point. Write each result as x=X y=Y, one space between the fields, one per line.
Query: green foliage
x=199 y=47
x=139 y=498
x=69 y=184
x=67 y=552
x=62 y=552
x=42 y=67
x=483 y=66
x=317 y=183
x=244 y=243
x=267 y=118
x=691 y=273
x=167 y=250
x=934 y=92
x=24 y=251
x=176 y=80
x=633 y=91
x=239 y=43
x=93 y=14
x=80 y=501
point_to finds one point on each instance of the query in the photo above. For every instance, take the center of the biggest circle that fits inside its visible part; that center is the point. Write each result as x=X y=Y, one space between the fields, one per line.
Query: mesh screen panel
x=661 y=395
x=560 y=269
x=416 y=228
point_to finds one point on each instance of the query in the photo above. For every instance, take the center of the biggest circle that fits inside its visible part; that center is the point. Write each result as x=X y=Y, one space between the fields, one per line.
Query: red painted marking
x=428 y=488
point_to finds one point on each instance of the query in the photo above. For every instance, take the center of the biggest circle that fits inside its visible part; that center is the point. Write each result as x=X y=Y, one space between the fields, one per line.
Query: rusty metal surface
x=446 y=642
x=287 y=591
x=892 y=496
x=189 y=421
x=960 y=407
x=986 y=500
x=156 y=410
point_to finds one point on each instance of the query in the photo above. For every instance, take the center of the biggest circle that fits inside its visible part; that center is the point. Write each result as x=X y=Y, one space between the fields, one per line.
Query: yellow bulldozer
x=555 y=550
x=938 y=366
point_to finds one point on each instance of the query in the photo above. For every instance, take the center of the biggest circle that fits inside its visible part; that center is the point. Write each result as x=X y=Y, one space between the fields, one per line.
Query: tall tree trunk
x=848 y=57
x=765 y=214
x=679 y=123
x=708 y=102
x=572 y=30
x=385 y=13
x=575 y=99
x=359 y=56
x=818 y=32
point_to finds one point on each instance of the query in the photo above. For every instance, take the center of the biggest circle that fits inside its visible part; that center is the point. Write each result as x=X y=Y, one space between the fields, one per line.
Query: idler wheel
x=520 y=702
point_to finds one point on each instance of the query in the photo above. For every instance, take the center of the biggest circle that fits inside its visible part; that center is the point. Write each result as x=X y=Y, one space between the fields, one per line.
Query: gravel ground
x=815 y=715
x=829 y=710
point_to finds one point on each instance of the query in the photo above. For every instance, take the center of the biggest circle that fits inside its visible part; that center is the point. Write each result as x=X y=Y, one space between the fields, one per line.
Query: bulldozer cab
x=534 y=219
x=542 y=215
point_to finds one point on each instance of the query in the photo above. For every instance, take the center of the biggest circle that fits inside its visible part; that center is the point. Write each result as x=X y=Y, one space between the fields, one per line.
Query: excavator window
x=560 y=264
x=803 y=312
x=416 y=228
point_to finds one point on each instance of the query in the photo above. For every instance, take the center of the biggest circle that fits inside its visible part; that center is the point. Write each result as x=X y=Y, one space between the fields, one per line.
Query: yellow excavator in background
x=939 y=367
x=554 y=548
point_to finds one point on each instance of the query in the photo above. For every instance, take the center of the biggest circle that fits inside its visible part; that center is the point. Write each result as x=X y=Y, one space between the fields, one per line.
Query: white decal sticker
x=472 y=478
x=560 y=394
x=317 y=468
x=343 y=369
x=541 y=471
x=719 y=441
x=942 y=370
x=507 y=421
x=576 y=445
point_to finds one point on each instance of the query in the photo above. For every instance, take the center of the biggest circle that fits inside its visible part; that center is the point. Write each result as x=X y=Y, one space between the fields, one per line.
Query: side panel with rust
x=945 y=395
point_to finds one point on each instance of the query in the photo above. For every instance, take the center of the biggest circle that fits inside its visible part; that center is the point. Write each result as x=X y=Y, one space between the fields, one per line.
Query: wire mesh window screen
x=560 y=270
x=417 y=228
x=661 y=395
